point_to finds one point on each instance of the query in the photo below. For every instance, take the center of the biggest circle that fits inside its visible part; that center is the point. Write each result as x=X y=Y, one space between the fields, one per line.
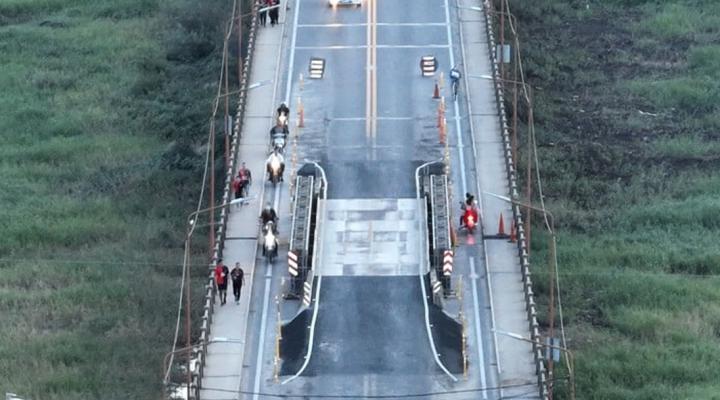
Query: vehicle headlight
x=275 y=163
x=333 y=3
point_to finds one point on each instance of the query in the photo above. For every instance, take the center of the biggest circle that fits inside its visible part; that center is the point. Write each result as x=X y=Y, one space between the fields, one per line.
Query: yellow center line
x=368 y=74
x=371 y=73
x=374 y=70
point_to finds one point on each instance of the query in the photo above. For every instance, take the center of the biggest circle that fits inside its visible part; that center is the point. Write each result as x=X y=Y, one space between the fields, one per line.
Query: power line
x=202 y=190
x=388 y=396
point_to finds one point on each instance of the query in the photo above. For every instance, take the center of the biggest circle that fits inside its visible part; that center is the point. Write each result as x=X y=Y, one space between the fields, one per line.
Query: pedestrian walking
x=238 y=279
x=237 y=187
x=221 y=278
x=274 y=12
x=263 y=13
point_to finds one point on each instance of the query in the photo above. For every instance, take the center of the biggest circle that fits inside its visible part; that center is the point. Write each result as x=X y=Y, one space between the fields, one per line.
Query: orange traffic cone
x=436 y=93
x=501 y=226
x=513 y=234
x=301 y=114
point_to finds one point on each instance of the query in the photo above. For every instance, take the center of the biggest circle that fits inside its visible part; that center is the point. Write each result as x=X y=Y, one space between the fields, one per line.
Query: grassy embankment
x=628 y=121
x=103 y=103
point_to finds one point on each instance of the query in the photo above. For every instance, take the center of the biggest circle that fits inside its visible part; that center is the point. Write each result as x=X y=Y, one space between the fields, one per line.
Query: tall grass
x=99 y=164
x=629 y=131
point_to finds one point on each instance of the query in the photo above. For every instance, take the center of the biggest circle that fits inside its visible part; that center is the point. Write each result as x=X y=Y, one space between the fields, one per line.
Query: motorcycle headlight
x=275 y=164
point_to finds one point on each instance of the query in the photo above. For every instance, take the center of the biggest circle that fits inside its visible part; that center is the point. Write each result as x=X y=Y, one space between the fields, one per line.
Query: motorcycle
x=469 y=219
x=270 y=242
x=275 y=167
x=278 y=142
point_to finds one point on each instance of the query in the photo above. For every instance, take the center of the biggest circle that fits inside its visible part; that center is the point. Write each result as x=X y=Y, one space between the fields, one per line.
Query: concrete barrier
x=517 y=216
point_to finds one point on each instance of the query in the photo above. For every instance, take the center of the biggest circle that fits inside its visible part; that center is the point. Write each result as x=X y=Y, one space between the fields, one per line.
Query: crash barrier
x=295 y=335
x=302 y=230
x=428 y=65
x=433 y=189
x=447 y=332
x=448 y=336
x=294 y=339
x=517 y=216
x=209 y=298
x=439 y=218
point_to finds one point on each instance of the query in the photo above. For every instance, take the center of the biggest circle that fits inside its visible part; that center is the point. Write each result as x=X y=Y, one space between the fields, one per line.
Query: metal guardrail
x=208 y=307
x=517 y=216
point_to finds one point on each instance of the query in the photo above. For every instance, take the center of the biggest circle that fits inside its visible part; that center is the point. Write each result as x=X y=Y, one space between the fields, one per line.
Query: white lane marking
x=268 y=273
x=379 y=46
x=458 y=128
x=478 y=331
x=331 y=119
x=263 y=326
x=461 y=157
x=361 y=24
x=291 y=62
x=479 y=190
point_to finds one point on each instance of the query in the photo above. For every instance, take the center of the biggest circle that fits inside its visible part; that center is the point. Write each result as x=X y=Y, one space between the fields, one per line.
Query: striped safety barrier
x=293 y=263
x=307 y=293
x=447 y=262
x=428 y=65
x=437 y=287
x=317 y=68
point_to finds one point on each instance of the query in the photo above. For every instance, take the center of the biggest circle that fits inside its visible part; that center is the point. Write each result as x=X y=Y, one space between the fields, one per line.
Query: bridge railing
x=209 y=298
x=517 y=216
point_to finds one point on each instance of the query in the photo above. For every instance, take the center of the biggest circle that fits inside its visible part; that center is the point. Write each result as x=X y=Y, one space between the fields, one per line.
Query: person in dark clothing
x=283 y=109
x=238 y=279
x=242 y=181
x=263 y=14
x=274 y=12
x=221 y=278
x=269 y=214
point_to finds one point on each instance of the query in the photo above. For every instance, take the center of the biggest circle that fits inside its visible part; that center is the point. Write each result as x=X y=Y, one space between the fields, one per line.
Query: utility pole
x=188 y=341
x=502 y=39
x=528 y=178
x=226 y=120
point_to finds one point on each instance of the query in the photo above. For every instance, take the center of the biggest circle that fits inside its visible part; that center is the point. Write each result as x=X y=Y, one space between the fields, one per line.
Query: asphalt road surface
x=370 y=121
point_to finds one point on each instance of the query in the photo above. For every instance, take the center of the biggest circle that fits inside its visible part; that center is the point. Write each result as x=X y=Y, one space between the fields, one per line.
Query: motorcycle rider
x=454 y=75
x=283 y=109
x=279 y=156
x=279 y=131
x=469 y=208
x=268 y=214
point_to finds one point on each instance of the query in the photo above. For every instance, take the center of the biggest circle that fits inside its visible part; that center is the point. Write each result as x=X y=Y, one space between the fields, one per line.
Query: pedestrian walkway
x=516 y=363
x=227 y=347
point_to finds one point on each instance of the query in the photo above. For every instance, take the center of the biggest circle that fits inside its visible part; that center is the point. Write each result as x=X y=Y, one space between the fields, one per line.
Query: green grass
x=105 y=106
x=627 y=94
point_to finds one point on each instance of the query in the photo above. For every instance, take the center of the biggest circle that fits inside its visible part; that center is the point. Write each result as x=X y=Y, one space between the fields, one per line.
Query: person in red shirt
x=221 y=278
